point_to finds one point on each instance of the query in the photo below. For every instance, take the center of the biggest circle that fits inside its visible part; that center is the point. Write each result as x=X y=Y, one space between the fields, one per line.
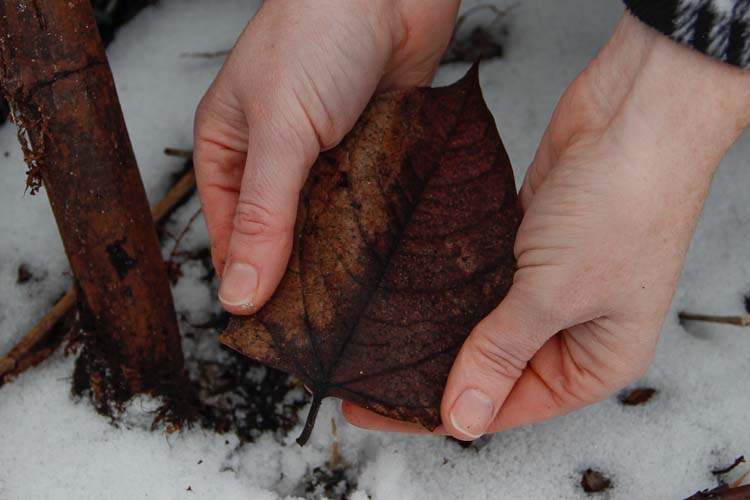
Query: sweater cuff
x=718 y=28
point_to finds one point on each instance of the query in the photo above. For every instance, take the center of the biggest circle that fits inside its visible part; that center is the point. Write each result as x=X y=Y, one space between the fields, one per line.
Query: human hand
x=610 y=203
x=295 y=83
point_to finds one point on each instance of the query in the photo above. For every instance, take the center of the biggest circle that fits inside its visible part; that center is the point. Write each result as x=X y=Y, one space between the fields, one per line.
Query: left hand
x=294 y=84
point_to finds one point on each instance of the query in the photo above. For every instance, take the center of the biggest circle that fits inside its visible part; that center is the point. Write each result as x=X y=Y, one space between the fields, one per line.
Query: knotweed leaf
x=404 y=242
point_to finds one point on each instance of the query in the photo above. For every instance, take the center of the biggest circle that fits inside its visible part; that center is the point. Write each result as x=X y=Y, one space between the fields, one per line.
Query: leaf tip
x=472 y=76
x=470 y=81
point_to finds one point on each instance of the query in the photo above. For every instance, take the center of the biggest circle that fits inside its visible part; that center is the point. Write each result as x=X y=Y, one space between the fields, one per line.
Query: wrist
x=672 y=95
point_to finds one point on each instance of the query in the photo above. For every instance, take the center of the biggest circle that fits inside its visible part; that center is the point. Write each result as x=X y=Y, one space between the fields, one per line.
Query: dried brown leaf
x=723 y=492
x=637 y=396
x=404 y=241
x=593 y=481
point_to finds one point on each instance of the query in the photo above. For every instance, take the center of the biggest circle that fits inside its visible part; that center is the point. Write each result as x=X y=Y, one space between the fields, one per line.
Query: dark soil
x=224 y=393
x=239 y=395
x=321 y=482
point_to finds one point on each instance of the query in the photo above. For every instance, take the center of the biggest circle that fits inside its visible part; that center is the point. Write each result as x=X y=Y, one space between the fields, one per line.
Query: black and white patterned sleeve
x=719 y=28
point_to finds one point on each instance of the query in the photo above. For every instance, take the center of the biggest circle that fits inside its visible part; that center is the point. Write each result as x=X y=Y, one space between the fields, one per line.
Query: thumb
x=260 y=243
x=489 y=364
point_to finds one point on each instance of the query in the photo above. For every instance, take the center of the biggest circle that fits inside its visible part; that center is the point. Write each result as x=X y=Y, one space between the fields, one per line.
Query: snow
x=54 y=446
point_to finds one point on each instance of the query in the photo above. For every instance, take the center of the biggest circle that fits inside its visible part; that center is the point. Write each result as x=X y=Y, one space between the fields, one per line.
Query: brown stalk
x=708 y=318
x=41 y=330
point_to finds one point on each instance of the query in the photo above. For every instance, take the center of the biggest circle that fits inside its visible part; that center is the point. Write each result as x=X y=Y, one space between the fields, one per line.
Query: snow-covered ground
x=54 y=447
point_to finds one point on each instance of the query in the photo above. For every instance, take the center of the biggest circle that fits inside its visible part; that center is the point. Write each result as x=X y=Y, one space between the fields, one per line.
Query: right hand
x=295 y=83
x=610 y=202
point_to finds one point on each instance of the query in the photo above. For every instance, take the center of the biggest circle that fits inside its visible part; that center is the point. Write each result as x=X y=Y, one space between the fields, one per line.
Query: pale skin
x=610 y=200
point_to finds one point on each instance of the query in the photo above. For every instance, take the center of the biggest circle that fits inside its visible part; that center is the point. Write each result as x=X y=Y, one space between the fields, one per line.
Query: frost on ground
x=52 y=446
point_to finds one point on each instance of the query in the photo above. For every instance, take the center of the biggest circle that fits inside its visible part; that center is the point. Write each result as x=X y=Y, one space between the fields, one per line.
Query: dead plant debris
x=593 y=481
x=477 y=42
x=729 y=468
x=24 y=274
x=322 y=482
x=637 y=396
x=710 y=318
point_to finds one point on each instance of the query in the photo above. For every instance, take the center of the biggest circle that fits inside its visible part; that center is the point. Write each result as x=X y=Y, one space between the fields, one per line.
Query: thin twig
x=727 y=320
x=41 y=329
x=335 y=459
x=178 y=240
x=180 y=153
x=206 y=55
x=730 y=468
x=172 y=199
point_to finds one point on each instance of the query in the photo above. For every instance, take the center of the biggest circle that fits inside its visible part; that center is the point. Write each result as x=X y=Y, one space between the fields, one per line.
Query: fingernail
x=238 y=286
x=472 y=413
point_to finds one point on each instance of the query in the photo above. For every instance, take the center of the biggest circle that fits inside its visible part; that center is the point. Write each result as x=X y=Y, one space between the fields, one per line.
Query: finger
x=538 y=395
x=555 y=382
x=220 y=150
x=280 y=151
x=361 y=417
x=490 y=362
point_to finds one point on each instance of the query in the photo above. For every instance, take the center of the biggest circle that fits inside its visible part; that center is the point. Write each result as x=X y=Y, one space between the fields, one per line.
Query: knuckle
x=201 y=149
x=497 y=358
x=577 y=391
x=253 y=219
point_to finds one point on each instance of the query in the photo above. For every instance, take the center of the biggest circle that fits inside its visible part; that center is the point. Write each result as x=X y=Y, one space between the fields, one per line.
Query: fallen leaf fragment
x=481 y=42
x=637 y=396
x=24 y=274
x=593 y=481
x=404 y=242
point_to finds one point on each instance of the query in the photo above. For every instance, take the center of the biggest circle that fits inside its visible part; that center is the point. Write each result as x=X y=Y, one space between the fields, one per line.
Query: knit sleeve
x=719 y=28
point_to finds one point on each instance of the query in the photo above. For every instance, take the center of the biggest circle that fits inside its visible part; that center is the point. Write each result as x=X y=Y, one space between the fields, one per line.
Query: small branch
x=172 y=199
x=727 y=320
x=730 y=468
x=178 y=240
x=180 y=153
x=42 y=328
x=206 y=55
x=38 y=332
